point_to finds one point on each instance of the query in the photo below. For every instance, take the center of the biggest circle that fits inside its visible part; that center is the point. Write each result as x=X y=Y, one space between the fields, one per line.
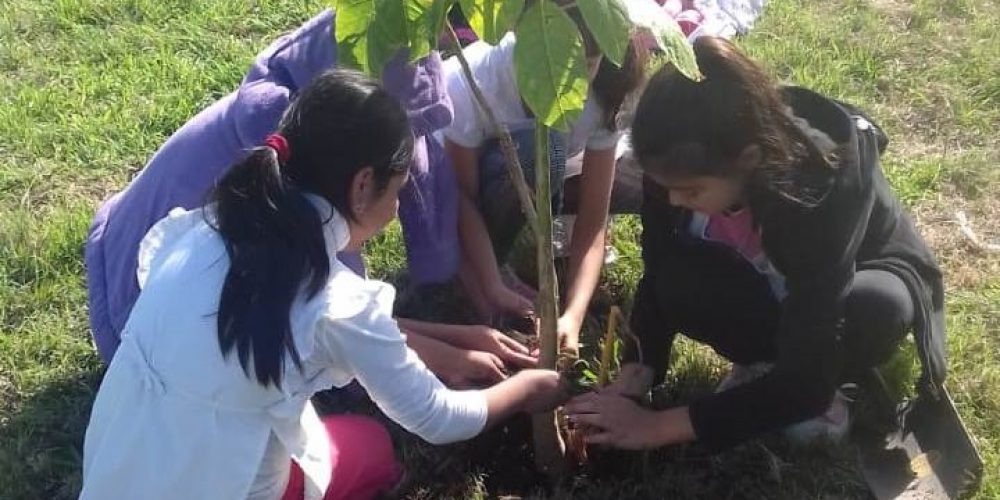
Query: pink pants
x=364 y=463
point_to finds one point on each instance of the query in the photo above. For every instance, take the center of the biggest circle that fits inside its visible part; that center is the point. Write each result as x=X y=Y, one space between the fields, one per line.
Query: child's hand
x=507 y=301
x=569 y=335
x=458 y=368
x=634 y=380
x=546 y=390
x=486 y=339
x=618 y=421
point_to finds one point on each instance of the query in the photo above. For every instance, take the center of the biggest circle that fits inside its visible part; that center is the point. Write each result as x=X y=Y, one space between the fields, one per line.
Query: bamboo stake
x=609 y=342
x=506 y=143
x=550 y=450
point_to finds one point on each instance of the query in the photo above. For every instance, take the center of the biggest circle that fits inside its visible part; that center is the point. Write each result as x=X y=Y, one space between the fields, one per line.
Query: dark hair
x=687 y=127
x=613 y=83
x=340 y=123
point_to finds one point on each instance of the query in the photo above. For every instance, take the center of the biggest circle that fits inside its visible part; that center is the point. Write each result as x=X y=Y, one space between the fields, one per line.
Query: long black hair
x=684 y=127
x=340 y=123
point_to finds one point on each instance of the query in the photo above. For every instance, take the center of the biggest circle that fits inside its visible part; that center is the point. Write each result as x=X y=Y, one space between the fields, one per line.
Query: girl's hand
x=634 y=380
x=569 y=334
x=507 y=301
x=546 y=390
x=621 y=423
x=486 y=339
x=457 y=368
x=530 y=391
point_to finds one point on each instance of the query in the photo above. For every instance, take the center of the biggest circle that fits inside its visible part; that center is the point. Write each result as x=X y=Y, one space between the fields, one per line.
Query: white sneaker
x=832 y=425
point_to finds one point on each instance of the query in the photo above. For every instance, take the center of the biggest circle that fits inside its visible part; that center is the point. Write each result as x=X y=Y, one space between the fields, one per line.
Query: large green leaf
x=370 y=32
x=388 y=32
x=491 y=19
x=668 y=35
x=436 y=18
x=550 y=66
x=608 y=21
x=424 y=23
x=354 y=17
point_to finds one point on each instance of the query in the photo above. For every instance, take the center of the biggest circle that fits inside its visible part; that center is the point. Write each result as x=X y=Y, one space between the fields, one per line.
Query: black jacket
x=854 y=222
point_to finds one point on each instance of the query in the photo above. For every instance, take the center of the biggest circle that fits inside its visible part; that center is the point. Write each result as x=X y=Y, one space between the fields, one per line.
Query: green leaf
x=353 y=19
x=491 y=19
x=424 y=22
x=608 y=21
x=550 y=66
x=370 y=32
x=436 y=19
x=389 y=31
x=668 y=36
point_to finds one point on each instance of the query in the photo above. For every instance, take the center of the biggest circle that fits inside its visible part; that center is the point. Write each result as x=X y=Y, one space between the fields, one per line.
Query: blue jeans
x=498 y=199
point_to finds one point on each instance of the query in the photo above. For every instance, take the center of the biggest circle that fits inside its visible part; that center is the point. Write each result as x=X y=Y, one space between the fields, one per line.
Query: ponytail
x=274 y=240
x=339 y=124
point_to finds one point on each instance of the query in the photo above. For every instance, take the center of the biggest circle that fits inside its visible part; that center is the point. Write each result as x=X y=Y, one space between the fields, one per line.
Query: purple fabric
x=184 y=169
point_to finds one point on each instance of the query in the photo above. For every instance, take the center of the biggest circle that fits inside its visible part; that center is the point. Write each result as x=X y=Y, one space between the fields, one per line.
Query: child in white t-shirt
x=489 y=214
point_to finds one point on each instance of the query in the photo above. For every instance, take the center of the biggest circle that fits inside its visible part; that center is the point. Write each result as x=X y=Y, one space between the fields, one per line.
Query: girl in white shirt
x=488 y=205
x=245 y=312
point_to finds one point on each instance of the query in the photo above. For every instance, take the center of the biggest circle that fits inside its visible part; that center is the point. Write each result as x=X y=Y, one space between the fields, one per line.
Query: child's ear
x=362 y=188
x=750 y=158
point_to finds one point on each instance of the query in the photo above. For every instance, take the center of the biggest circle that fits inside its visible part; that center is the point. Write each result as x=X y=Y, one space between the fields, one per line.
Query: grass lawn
x=90 y=88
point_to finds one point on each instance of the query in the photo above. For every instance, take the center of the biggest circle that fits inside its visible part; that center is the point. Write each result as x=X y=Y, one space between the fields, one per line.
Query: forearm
x=771 y=402
x=476 y=244
x=427 y=348
x=514 y=395
x=674 y=426
x=438 y=331
x=589 y=232
x=585 y=263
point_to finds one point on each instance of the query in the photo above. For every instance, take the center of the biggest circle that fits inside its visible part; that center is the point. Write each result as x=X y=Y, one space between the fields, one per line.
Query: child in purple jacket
x=184 y=169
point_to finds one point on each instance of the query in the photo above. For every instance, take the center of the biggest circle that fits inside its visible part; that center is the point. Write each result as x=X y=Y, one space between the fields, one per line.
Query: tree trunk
x=550 y=450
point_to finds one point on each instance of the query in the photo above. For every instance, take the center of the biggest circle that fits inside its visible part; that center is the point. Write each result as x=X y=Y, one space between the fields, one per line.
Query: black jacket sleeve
x=647 y=322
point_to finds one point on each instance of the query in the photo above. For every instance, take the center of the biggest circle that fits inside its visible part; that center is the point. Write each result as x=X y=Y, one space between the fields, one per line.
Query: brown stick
x=548 y=288
x=609 y=346
x=506 y=143
x=550 y=449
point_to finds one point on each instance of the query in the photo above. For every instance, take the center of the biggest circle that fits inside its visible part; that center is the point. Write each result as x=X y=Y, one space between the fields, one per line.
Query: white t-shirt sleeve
x=493 y=70
x=467 y=128
x=603 y=139
x=589 y=132
x=369 y=345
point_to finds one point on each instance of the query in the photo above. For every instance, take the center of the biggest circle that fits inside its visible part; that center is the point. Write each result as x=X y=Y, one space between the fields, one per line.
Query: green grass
x=90 y=88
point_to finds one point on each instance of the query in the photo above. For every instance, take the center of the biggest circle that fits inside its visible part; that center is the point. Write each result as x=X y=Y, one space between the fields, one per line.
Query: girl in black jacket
x=770 y=234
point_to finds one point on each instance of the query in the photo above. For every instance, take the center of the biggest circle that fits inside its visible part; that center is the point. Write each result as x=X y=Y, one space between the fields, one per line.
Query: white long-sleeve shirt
x=175 y=419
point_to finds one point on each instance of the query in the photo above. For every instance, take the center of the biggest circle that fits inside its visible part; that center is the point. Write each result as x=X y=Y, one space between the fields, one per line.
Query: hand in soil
x=483 y=338
x=468 y=369
x=507 y=301
x=617 y=421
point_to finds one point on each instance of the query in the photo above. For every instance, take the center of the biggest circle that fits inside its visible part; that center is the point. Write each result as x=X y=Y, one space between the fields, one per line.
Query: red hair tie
x=279 y=144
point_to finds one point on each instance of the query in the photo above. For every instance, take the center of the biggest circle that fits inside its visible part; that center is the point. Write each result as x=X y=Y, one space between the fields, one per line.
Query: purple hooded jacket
x=186 y=167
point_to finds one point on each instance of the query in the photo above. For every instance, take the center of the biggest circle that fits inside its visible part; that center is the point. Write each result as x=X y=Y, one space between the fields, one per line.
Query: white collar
x=336 y=232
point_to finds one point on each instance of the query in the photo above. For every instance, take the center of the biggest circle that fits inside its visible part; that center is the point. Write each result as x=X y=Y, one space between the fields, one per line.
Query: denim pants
x=498 y=201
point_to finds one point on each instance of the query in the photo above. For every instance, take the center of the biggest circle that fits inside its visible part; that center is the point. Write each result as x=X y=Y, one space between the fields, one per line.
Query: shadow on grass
x=41 y=442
